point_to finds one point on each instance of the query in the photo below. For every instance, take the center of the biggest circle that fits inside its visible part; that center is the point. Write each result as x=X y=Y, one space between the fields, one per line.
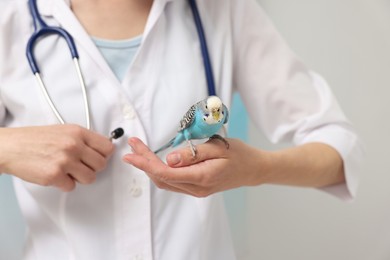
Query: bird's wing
x=188 y=118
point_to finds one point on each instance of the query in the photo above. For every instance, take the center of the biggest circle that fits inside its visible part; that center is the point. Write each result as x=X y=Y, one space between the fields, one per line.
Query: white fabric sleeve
x=3 y=41
x=285 y=99
x=338 y=134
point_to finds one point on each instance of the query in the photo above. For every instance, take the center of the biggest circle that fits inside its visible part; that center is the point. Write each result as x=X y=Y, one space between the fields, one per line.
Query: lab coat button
x=128 y=112
x=136 y=191
x=137 y=257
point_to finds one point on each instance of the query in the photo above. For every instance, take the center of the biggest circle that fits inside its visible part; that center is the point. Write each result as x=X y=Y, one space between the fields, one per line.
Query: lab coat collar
x=60 y=10
x=45 y=7
x=50 y=7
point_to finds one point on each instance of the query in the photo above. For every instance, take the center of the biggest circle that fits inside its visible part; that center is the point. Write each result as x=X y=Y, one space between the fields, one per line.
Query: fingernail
x=173 y=158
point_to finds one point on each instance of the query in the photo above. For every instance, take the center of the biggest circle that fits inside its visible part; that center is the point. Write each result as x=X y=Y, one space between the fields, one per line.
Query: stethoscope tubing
x=41 y=29
x=204 y=49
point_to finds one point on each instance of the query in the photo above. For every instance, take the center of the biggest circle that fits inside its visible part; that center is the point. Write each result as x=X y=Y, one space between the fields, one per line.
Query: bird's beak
x=215 y=114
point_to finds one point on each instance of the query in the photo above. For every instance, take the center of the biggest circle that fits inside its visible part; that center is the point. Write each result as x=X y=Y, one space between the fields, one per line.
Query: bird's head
x=214 y=108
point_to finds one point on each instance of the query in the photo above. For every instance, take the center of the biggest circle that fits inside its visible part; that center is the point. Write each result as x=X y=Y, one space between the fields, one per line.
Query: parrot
x=202 y=120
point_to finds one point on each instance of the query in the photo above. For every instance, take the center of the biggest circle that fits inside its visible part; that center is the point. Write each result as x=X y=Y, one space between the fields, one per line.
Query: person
x=84 y=197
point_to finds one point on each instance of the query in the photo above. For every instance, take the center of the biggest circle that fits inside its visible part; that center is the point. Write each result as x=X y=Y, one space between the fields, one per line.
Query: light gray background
x=348 y=42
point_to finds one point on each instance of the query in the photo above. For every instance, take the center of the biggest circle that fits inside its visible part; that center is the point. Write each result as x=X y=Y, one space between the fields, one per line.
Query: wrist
x=260 y=168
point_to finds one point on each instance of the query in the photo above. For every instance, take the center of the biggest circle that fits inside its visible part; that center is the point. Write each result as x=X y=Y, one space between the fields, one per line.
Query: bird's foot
x=218 y=137
x=193 y=149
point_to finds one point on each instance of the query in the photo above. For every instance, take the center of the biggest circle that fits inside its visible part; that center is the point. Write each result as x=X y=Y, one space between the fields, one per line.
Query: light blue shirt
x=119 y=54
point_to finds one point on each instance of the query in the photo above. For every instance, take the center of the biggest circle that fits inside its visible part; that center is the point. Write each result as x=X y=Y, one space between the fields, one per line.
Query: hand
x=57 y=155
x=214 y=168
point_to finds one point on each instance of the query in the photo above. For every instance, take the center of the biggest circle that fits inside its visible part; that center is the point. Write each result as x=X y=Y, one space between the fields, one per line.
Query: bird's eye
x=207 y=107
x=219 y=110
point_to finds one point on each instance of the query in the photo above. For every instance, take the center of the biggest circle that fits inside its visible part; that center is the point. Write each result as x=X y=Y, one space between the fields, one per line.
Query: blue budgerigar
x=203 y=120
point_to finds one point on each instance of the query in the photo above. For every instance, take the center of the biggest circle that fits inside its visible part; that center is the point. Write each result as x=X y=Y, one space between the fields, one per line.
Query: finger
x=184 y=188
x=82 y=173
x=99 y=143
x=145 y=160
x=151 y=169
x=65 y=183
x=209 y=150
x=191 y=189
x=93 y=159
x=183 y=180
x=138 y=161
x=140 y=148
x=155 y=168
x=142 y=156
x=172 y=188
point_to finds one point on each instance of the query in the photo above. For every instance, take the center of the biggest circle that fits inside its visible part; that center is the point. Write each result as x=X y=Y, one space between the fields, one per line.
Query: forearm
x=309 y=165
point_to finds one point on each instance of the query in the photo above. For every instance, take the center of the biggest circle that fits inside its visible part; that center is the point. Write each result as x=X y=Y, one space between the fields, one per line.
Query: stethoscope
x=41 y=29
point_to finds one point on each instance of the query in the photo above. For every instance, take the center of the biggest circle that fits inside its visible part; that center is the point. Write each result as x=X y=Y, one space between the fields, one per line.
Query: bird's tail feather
x=162 y=148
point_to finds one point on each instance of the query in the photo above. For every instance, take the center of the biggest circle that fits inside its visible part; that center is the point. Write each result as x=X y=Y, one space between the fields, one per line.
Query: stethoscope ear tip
x=117 y=133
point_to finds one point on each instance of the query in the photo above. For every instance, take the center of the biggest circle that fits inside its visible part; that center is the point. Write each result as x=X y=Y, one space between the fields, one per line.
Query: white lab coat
x=123 y=215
